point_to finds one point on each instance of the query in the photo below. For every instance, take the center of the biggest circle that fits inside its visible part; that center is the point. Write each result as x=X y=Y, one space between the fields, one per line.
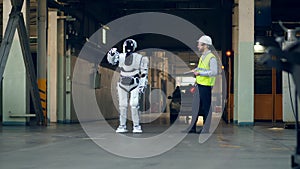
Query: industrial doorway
x=267 y=92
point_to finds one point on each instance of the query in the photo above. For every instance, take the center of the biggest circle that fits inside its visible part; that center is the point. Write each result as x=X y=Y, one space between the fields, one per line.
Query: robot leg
x=123 y=104
x=134 y=103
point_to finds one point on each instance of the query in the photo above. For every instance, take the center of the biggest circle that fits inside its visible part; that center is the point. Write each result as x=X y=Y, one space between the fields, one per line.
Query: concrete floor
x=62 y=146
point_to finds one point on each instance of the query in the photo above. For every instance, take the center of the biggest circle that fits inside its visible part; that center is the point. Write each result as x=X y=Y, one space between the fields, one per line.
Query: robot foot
x=121 y=129
x=137 y=129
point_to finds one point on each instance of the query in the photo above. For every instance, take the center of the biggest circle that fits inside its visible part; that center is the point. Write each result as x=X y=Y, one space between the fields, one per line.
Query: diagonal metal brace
x=16 y=21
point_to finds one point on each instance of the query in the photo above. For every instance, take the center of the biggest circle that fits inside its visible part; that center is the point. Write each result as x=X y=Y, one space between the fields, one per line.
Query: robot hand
x=142 y=89
x=143 y=84
x=112 y=52
x=113 y=56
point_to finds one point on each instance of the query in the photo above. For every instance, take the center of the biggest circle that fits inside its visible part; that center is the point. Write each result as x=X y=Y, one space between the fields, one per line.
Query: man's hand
x=196 y=73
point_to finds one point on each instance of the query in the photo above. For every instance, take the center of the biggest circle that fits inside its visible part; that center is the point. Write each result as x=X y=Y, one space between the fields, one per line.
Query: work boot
x=192 y=130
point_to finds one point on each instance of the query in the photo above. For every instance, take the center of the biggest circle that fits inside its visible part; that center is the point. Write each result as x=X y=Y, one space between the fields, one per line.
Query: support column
x=68 y=85
x=15 y=84
x=244 y=65
x=52 y=66
x=235 y=39
x=42 y=54
x=61 y=69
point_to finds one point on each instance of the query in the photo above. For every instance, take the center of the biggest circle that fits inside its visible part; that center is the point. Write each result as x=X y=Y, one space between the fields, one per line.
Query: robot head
x=129 y=46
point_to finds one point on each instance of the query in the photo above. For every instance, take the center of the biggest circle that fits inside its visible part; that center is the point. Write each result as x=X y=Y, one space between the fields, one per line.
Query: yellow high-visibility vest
x=204 y=64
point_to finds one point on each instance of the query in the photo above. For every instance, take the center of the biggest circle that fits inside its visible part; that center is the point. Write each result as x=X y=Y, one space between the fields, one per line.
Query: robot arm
x=113 y=56
x=144 y=74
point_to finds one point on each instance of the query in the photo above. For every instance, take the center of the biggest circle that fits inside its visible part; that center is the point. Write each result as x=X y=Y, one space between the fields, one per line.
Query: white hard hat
x=205 y=39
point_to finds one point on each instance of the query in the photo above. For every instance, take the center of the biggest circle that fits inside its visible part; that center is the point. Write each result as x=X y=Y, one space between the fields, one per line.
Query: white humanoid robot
x=133 y=81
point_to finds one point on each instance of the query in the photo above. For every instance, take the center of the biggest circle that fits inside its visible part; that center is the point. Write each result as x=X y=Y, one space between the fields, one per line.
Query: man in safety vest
x=205 y=73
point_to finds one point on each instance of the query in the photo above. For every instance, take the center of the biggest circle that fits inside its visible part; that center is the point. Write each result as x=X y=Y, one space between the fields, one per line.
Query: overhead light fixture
x=103 y=36
x=258 y=48
x=104 y=28
x=192 y=63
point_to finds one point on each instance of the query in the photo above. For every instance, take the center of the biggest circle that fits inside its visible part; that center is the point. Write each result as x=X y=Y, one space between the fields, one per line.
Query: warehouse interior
x=78 y=20
x=62 y=46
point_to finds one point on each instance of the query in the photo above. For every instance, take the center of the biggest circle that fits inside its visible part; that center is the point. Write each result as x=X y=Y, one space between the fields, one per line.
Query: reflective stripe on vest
x=204 y=64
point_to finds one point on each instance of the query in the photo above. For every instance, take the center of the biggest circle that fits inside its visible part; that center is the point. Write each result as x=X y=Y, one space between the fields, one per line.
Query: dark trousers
x=201 y=106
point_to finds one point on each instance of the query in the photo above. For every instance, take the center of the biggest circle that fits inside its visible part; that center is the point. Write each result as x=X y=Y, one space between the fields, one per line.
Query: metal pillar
x=235 y=36
x=42 y=53
x=16 y=21
x=68 y=84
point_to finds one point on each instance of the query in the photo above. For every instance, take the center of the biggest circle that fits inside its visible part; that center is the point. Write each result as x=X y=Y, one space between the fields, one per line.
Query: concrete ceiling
x=208 y=15
x=205 y=14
